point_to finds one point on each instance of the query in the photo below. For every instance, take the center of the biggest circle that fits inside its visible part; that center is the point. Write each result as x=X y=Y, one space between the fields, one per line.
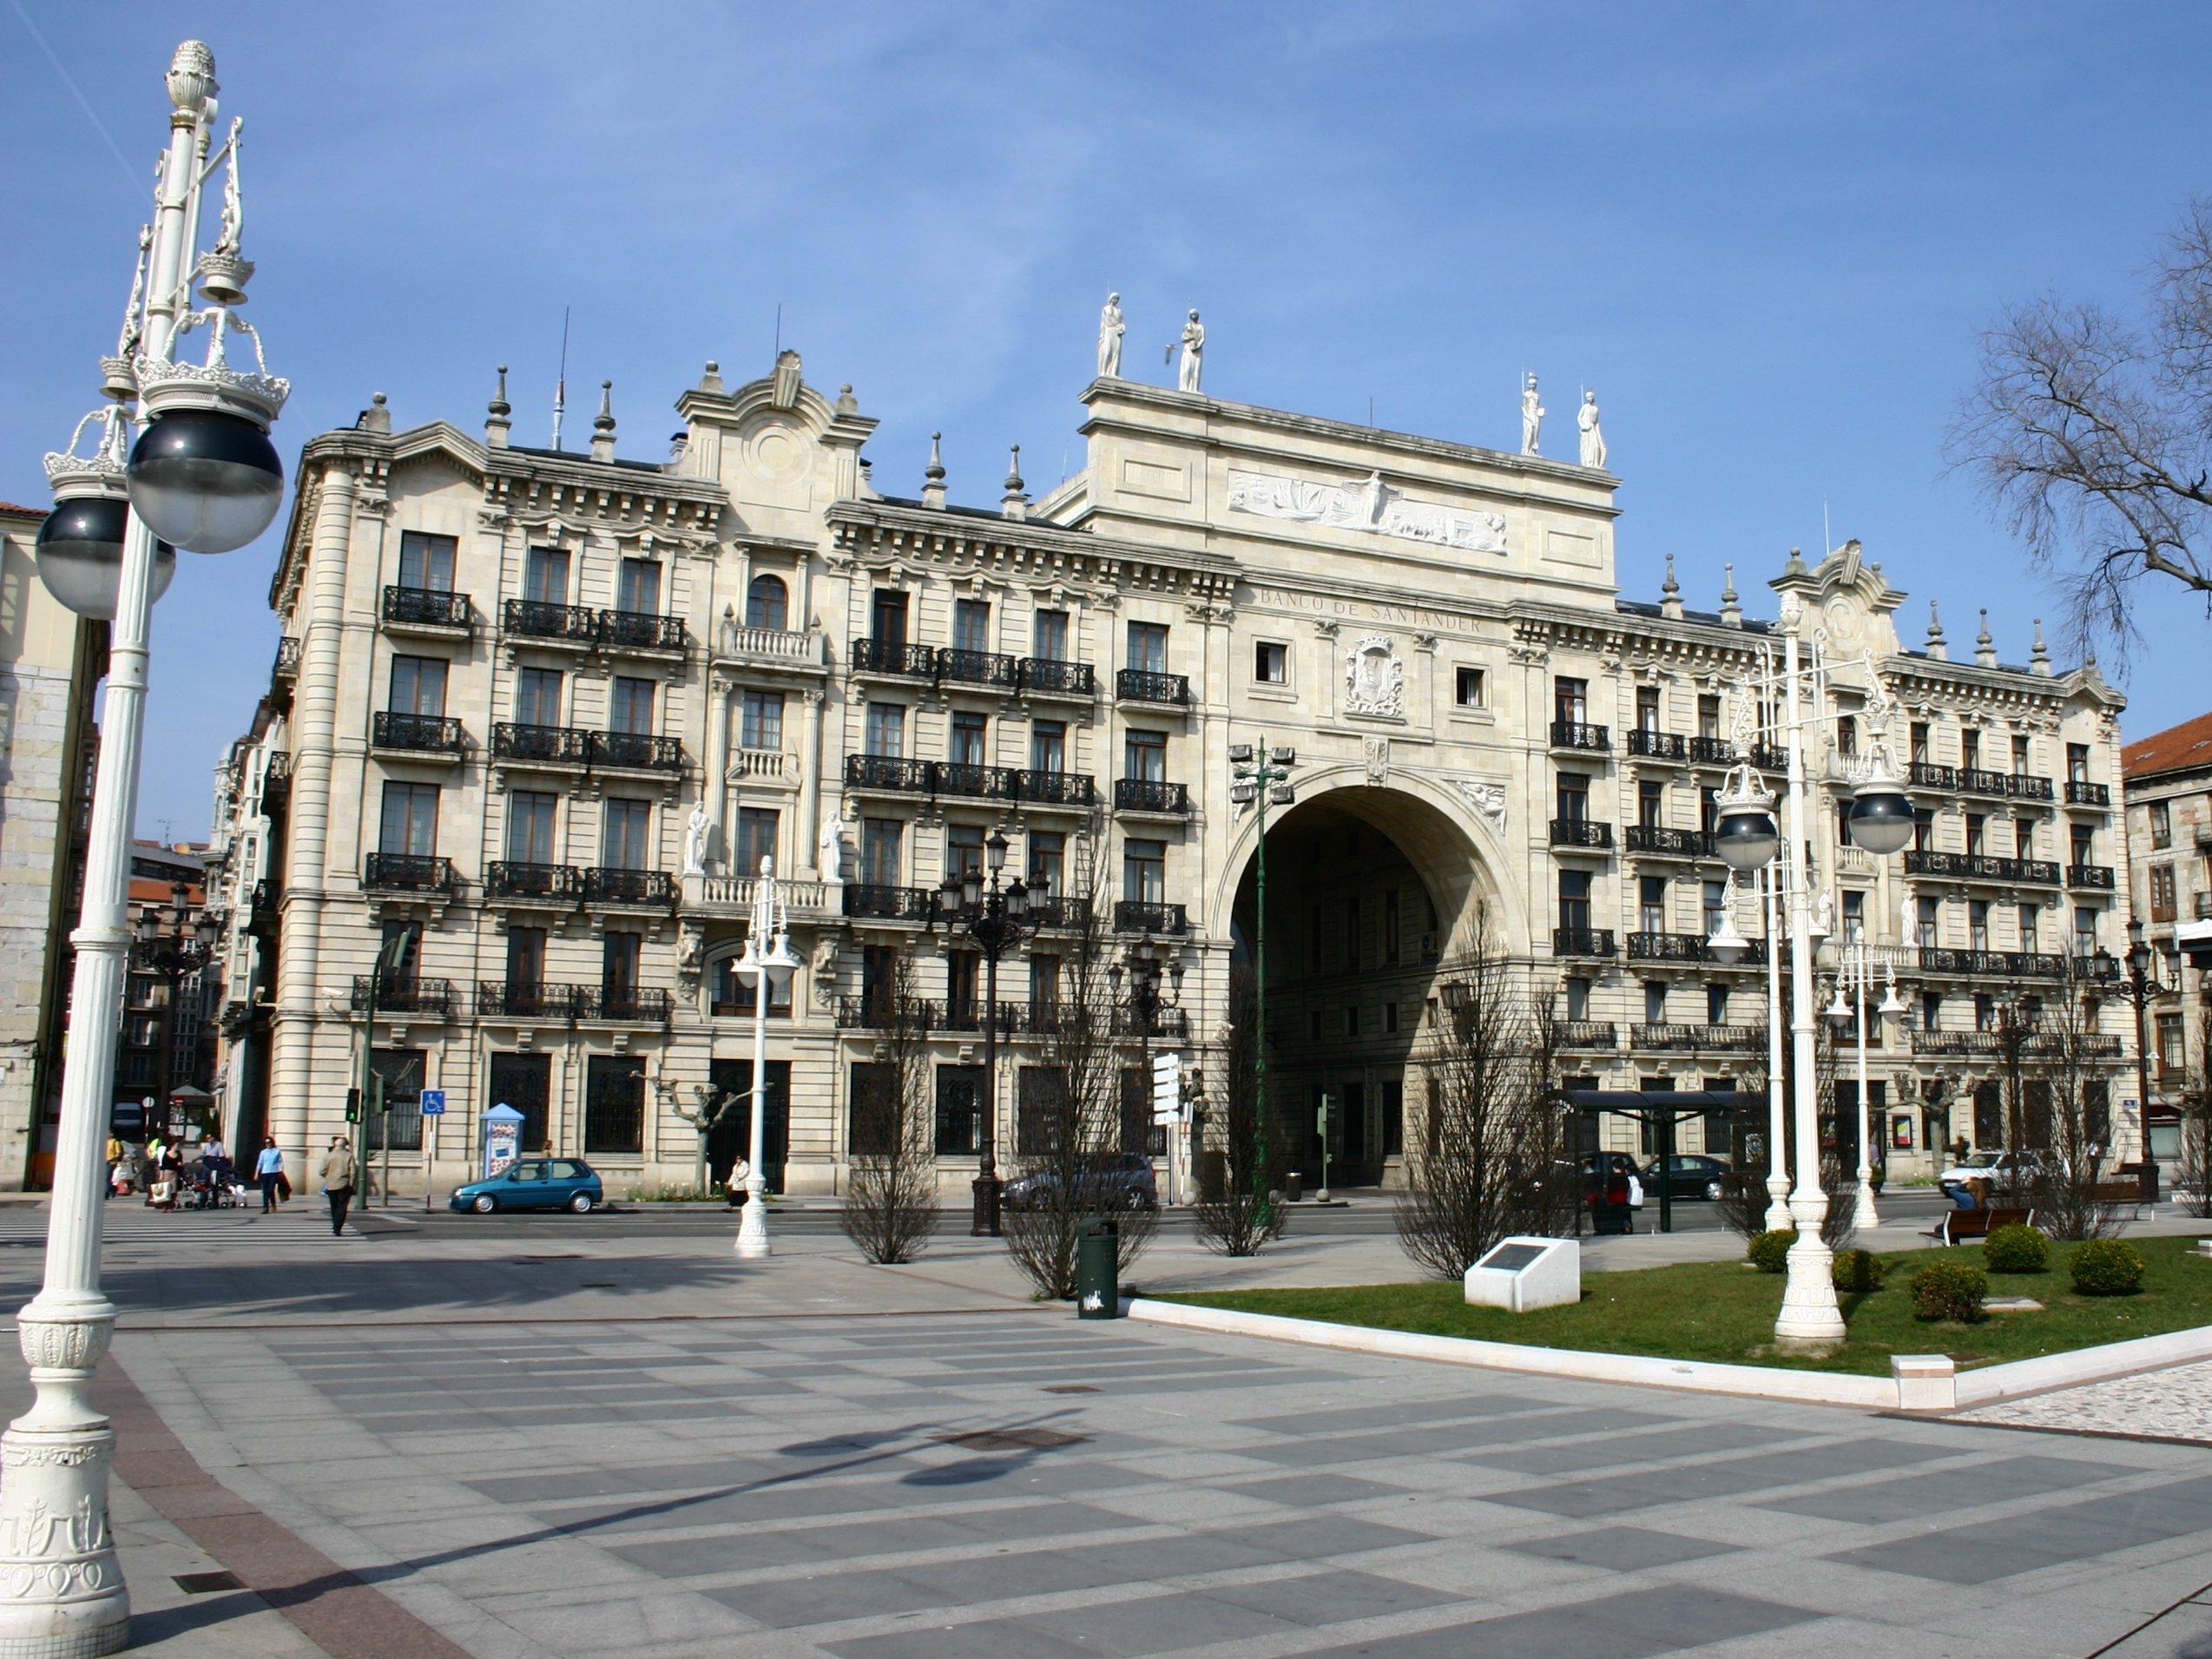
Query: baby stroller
x=215 y=1186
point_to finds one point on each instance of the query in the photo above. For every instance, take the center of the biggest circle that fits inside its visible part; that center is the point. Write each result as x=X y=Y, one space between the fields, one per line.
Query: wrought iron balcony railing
x=540 y=619
x=1148 y=916
x=426 y=607
x=1978 y=866
x=1658 y=745
x=1055 y=677
x=287 y=666
x=978 y=668
x=1587 y=1034
x=895 y=656
x=1144 y=686
x=1668 y=947
x=1930 y=774
x=405 y=995
x=1660 y=840
x=635 y=751
x=640 y=630
x=420 y=734
x=1583 y=942
x=1698 y=1038
x=1151 y=795
x=1581 y=832
x=564 y=745
x=1055 y=788
x=2090 y=877
x=511 y=878
x=2033 y=1044
x=1712 y=751
x=1992 y=964
x=973 y=782
x=910 y=777
x=623 y=1004
x=608 y=884
x=881 y=902
x=879 y=1010
x=519 y=999
x=2080 y=792
x=888 y=772
x=408 y=872
x=1576 y=734
x=2012 y=786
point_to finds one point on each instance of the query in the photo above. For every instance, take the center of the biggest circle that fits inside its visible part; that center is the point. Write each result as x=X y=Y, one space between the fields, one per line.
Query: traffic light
x=352 y=1105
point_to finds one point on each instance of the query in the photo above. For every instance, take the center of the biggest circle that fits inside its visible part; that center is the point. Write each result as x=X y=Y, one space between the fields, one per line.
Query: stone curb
x=1919 y=1384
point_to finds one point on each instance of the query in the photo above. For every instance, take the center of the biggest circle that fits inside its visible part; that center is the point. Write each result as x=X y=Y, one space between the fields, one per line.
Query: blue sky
x=1767 y=234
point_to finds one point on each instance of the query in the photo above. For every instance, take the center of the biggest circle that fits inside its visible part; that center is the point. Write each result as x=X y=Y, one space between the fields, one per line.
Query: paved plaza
x=426 y=1441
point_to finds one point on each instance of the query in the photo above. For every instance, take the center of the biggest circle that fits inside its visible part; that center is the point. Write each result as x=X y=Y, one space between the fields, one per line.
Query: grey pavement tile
x=1692 y=1483
x=1939 y=1490
x=1337 y=1598
x=1314 y=1491
x=787 y=1603
x=1658 y=1445
x=1000 y=1638
x=1150 y=1624
x=1627 y=1626
x=1621 y=1549
x=1329 y=1420
x=2010 y=1545
x=1317 y=1537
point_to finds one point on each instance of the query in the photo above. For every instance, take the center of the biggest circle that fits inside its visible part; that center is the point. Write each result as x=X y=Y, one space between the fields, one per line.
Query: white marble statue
x=1593 y=453
x=1908 y=918
x=1111 y=329
x=1194 y=355
x=831 y=849
x=694 y=839
x=1532 y=413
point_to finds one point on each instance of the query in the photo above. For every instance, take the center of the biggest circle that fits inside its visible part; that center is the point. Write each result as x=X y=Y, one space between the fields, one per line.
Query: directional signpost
x=1167 y=1107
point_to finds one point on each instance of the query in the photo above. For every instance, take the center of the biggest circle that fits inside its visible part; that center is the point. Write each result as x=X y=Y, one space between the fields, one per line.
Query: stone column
x=314 y=728
x=713 y=788
x=810 y=789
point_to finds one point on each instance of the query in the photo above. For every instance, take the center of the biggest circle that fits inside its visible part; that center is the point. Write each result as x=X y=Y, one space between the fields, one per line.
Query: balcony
x=641 y=632
x=1148 y=916
x=1574 y=734
x=1712 y=751
x=1978 y=866
x=1766 y=757
x=427 y=610
x=405 y=995
x=633 y=752
x=1668 y=947
x=1585 y=1035
x=978 y=669
x=1055 y=788
x=1145 y=686
x=1582 y=832
x=622 y=1004
x=771 y=647
x=1926 y=775
x=276 y=782
x=2011 y=786
x=733 y=896
x=764 y=766
x=899 y=775
x=409 y=872
x=2093 y=1045
x=878 y=1012
x=545 y=746
x=1699 y=1038
x=1046 y=676
x=895 y=657
x=542 y=623
x=1992 y=964
x=2080 y=792
x=512 y=999
x=891 y=771
x=436 y=737
x=507 y=881
x=1656 y=840
x=1151 y=795
x=973 y=782
x=261 y=911
x=287 y=666
x=2090 y=878
x=638 y=889
x=1583 y=942
x=1139 y=1019
x=872 y=901
x=1658 y=745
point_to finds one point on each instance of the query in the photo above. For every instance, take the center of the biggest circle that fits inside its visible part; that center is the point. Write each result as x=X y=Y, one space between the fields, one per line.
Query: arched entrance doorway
x=1372 y=891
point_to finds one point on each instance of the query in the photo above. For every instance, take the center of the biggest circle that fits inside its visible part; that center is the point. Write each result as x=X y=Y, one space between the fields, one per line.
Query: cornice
x=938 y=536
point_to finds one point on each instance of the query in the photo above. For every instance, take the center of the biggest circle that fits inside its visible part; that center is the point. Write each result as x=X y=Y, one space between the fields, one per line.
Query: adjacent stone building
x=2169 y=836
x=519 y=689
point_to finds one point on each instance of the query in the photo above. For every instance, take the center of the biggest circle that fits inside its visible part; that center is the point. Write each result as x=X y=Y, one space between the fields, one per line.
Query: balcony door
x=409 y=824
x=767 y=603
x=538 y=696
x=426 y=561
x=971 y=625
x=525 y=961
x=637 y=587
x=546 y=576
x=627 y=844
x=531 y=815
x=418 y=685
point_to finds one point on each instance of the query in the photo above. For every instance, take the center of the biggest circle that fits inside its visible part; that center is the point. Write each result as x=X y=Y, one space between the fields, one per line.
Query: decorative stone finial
x=1670 y=592
x=497 y=422
x=376 y=417
x=846 y=403
x=933 y=474
x=712 y=380
x=1014 y=503
x=2039 y=660
x=602 y=423
x=1984 y=647
x=1795 y=567
x=1731 y=611
x=191 y=79
x=868 y=477
x=1939 y=648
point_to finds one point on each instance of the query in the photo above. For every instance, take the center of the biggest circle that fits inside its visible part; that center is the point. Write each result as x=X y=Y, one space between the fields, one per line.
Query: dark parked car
x=1108 y=1182
x=535 y=1183
x=1692 y=1175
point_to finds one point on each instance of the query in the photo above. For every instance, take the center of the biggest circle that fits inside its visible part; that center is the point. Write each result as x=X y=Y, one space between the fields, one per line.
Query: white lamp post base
x=751 y=1226
x=1778 y=1217
x=1811 y=1321
x=1862 y=1214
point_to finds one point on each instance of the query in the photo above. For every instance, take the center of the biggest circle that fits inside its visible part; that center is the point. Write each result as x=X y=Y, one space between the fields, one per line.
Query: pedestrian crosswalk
x=131 y=1221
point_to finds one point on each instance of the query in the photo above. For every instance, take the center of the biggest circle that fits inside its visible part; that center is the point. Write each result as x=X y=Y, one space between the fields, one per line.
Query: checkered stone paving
x=2171 y=1404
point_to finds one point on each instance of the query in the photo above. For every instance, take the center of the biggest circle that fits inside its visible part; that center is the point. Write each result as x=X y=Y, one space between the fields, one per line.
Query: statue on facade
x=1194 y=355
x=1593 y=447
x=729 y=631
x=694 y=839
x=830 y=854
x=1532 y=413
x=1111 y=329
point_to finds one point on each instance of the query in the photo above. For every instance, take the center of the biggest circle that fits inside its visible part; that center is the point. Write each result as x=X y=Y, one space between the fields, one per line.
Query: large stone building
x=2170 y=835
x=50 y=661
x=515 y=686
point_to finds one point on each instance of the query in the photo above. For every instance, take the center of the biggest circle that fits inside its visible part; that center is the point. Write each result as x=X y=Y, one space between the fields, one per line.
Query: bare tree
x=1233 y=1212
x=2071 y=1124
x=713 y=1106
x=891 y=1206
x=1490 y=1153
x=2091 y=436
x=1074 y=1111
x=2195 y=1103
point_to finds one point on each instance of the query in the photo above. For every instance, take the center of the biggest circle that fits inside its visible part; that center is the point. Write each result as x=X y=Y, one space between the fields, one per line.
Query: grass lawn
x=1725 y=1310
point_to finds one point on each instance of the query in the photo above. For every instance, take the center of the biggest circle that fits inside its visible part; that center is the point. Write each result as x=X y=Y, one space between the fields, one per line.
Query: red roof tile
x=2176 y=749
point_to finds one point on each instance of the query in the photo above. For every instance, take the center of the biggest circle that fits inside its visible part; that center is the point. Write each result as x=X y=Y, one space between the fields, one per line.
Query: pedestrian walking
x=114 y=1157
x=338 y=1173
x=268 y=1169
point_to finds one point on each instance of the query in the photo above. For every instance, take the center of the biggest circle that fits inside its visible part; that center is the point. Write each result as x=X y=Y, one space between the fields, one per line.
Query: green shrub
x=1769 y=1252
x=1949 y=1290
x=2107 y=1267
x=1857 y=1270
x=2017 y=1249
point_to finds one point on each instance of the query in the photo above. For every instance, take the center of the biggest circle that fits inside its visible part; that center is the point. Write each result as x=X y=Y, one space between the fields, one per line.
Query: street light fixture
x=768 y=971
x=209 y=486
x=1260 y=776
x=995 y=916
x=2141 y=987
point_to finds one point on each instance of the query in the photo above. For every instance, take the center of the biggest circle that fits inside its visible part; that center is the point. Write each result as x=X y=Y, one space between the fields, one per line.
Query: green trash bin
x=1098 y=1270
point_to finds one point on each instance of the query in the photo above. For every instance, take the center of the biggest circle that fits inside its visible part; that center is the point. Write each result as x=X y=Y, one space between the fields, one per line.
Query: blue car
x=535 y=1183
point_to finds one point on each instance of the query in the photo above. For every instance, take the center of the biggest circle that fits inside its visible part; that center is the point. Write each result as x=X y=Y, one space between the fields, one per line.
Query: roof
x=2177 y=748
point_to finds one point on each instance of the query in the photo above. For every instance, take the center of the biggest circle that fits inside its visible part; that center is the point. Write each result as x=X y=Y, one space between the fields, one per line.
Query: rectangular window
x=1708 y=715
x=1574 y=901
x=418 y=685
x=400 y=943
x=2078 y=763
x=619 y=956
x=1047 y=861
x=729 y=996
x=1144 y=756
x=2084 y=846
x=1923 y=830
x=1970 y=748
x=1390 y=1019
x=1049 y=635
x=1708 y=808
x=1650 y=804
x=545 y=576
x=1716 y=905
x=967 y=746
x=886 y=729
x=627 y=843
x=1847 y=735
x=1467 y=688
x=426 y=561
x=959 y=1110
x=882 y=848
x=1577 y=998
x=1148 y=646
x=2030 y=928
x=1654 y=1003
x=1048 y=746
x=971 y=625
x=1041 y=1112
x=1571 y=701
x=963 y=848
x=888 y=616
x=1044 y=983
x=1651 y=904
x=398 y=1074
x=755 y=839
x=531 y=815
x=1144 y=872
x=613 y=1105
x=1573 y=797
x=1931 y=1011
x=2084 y=930
x=631 y=708
x=526 y=959
x=538 y=696
x=2161 y=885
x=637 y=586
x=1271 y=662
x=1716 y=1004
x=409 y=820
x=760 y=721
x=1647 y=708
x=2019 y=756
x=1978 y=924
x=1854 y=914
x=1920 y=741
x=962 y=978
x=1977 y=835
x=525 y=1082
x=2172 y=1051
x=2161 y=824
x=875 y=1109
x=1930 y=918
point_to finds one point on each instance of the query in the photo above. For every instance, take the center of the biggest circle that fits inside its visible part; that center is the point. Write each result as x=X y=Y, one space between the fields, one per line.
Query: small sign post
x=1167 y=1107
x=433 y=1109
x=1321 y=1128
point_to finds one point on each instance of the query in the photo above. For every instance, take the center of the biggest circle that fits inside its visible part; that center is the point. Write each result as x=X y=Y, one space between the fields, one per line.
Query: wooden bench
x=1959 y=1225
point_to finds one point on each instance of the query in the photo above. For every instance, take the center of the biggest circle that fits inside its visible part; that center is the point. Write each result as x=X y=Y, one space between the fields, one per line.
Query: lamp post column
x=1863 y=1213
x=768 y=960
x=984 y=1222
x=1778 y=1218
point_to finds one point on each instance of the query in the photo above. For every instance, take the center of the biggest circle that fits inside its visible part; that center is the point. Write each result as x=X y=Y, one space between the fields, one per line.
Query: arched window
x=767 y=603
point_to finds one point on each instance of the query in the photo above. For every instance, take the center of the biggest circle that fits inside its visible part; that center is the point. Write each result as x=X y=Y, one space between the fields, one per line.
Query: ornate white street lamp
x=209 y=482
x=766 y=965
x=1855 y=975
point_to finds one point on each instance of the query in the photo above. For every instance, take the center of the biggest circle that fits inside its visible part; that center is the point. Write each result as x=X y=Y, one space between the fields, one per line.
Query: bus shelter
x=1662 y=1109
